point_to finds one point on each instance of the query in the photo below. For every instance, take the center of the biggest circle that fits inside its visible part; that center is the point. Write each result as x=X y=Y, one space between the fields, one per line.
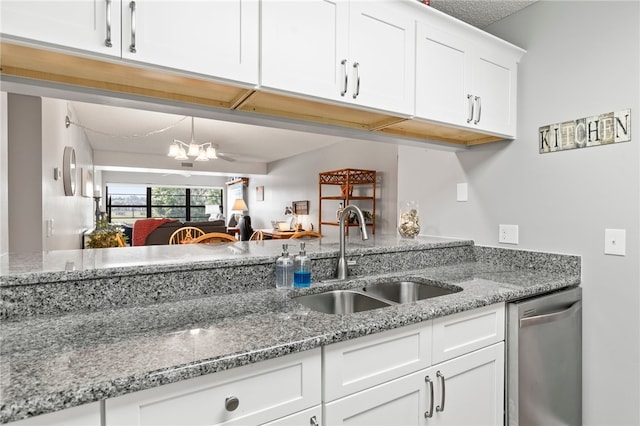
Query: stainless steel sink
x=340 y=302
x=408 y=291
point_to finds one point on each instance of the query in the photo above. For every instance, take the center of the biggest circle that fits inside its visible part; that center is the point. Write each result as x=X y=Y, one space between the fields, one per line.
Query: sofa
x=161 y=234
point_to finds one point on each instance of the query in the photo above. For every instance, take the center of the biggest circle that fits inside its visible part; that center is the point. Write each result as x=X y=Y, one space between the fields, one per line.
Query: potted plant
x=107 y=235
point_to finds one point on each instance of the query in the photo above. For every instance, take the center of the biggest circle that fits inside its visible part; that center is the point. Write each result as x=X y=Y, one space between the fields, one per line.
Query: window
x=128 y=203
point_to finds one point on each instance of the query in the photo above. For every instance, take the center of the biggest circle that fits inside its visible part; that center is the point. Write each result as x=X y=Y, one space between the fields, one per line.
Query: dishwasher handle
x=554 y=316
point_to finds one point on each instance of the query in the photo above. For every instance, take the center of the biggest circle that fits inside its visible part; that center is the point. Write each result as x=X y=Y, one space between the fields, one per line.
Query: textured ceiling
x=480 y=13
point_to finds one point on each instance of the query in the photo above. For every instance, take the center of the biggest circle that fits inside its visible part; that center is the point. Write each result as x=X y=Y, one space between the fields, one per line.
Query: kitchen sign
x=603 y=129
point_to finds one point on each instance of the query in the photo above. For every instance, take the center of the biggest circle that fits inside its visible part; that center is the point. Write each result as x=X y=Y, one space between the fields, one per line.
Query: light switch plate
x=615 y=242
x=462 y=192
x=508 y=234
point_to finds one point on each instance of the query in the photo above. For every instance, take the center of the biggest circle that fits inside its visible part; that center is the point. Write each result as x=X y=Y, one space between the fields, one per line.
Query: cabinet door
x=443 y=76
x=473 y=391
x=381 y=55
x=399 y=402
x=215 y=38
x=495 y=85
x=311 y=417
x=303 y=44
x=76 y=24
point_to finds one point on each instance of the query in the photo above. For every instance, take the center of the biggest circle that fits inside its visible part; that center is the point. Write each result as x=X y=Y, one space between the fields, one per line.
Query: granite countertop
x=51 y=363
x=66 y=265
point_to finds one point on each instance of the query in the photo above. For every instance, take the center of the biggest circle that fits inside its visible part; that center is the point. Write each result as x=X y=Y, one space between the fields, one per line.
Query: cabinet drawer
x=461 y=333
x=266 y=391
x=358 y=364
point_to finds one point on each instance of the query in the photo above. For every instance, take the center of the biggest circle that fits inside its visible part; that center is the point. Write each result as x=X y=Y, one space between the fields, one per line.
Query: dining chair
x=306 y=234
x=257 y=235
x=214 y=237
x=185 y=235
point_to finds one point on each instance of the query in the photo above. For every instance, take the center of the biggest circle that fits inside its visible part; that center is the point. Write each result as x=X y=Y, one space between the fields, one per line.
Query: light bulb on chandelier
x=202 y=152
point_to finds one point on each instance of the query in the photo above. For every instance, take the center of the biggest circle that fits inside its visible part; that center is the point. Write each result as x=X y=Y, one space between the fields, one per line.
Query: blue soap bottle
x=302 y=269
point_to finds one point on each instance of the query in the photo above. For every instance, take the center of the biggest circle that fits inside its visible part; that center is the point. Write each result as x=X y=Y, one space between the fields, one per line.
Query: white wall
x=71 y=215
x=36 y=137
x=582 y=59
x=296 y=179
x=4 y=185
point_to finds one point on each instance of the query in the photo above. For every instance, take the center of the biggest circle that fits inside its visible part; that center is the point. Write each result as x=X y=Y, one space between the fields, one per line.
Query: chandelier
x=202 y=152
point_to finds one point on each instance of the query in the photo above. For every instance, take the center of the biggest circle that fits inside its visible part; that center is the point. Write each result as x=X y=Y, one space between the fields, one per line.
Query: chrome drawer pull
x=231 y=403
x=470 y=103
x=107 y=41
x=478 y=99
x=440 y=407
x=429 y=413
x=313 y=421
x=132 y=46
x=356 y=67
x=346 y=77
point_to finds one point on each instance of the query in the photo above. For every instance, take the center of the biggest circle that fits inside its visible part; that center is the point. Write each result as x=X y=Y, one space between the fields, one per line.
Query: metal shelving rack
x=351 y=183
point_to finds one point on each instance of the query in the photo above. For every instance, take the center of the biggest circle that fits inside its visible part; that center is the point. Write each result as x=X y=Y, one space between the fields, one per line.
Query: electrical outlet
x=615 y=241
x=508 y=234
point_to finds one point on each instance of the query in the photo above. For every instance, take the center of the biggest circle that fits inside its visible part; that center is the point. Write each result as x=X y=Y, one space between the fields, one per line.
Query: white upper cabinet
x=87 y=25
x=302 y=46
x=214 y=38
x=466 y=78
x=494 y=88
x=443 y=75
x=358 y=52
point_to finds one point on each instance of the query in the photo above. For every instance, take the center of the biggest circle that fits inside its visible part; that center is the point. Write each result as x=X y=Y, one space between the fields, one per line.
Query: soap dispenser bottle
x=302 y=265
x=284 y=269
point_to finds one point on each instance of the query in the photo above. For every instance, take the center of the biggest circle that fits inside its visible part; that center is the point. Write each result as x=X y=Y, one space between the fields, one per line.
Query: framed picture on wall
x=301 y=207
x=87 y=182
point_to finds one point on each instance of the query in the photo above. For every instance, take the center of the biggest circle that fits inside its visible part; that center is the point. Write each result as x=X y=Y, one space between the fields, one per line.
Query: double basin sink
x=375 y=296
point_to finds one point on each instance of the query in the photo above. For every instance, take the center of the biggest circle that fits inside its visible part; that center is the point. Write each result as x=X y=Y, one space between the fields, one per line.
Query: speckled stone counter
x=51 y=362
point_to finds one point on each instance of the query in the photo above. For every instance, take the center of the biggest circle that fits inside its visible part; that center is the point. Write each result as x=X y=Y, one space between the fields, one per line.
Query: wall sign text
x=603 y=129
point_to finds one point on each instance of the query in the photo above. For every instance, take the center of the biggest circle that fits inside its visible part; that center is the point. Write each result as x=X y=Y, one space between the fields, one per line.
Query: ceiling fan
x=202 y=152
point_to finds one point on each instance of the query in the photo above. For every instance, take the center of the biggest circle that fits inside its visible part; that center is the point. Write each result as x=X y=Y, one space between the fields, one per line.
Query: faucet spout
x=341 y=270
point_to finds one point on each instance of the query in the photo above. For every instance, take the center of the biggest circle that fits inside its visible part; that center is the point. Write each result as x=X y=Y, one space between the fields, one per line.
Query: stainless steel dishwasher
x=544 y=360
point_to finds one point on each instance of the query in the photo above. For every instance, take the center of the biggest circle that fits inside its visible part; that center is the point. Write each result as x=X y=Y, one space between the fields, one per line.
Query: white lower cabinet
x=249 y=395
x=467 y=390
x=388 y=379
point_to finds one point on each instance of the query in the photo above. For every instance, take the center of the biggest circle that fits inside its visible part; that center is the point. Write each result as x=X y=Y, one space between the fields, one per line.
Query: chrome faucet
x=341 y=270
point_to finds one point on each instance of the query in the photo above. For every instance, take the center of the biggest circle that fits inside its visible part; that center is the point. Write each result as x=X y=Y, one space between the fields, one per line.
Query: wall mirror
x=69 y=171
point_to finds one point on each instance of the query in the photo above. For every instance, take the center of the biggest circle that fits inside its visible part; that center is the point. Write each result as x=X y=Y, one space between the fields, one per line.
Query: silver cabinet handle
x=132 y=46
x=346 y=77
x=440 y=407
x=553 y=316
x=107 y=41
x=478 y=100
x=313 y=421
x=470 y=103
x=231 y=403
x=356 y=91
x=429 y=413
